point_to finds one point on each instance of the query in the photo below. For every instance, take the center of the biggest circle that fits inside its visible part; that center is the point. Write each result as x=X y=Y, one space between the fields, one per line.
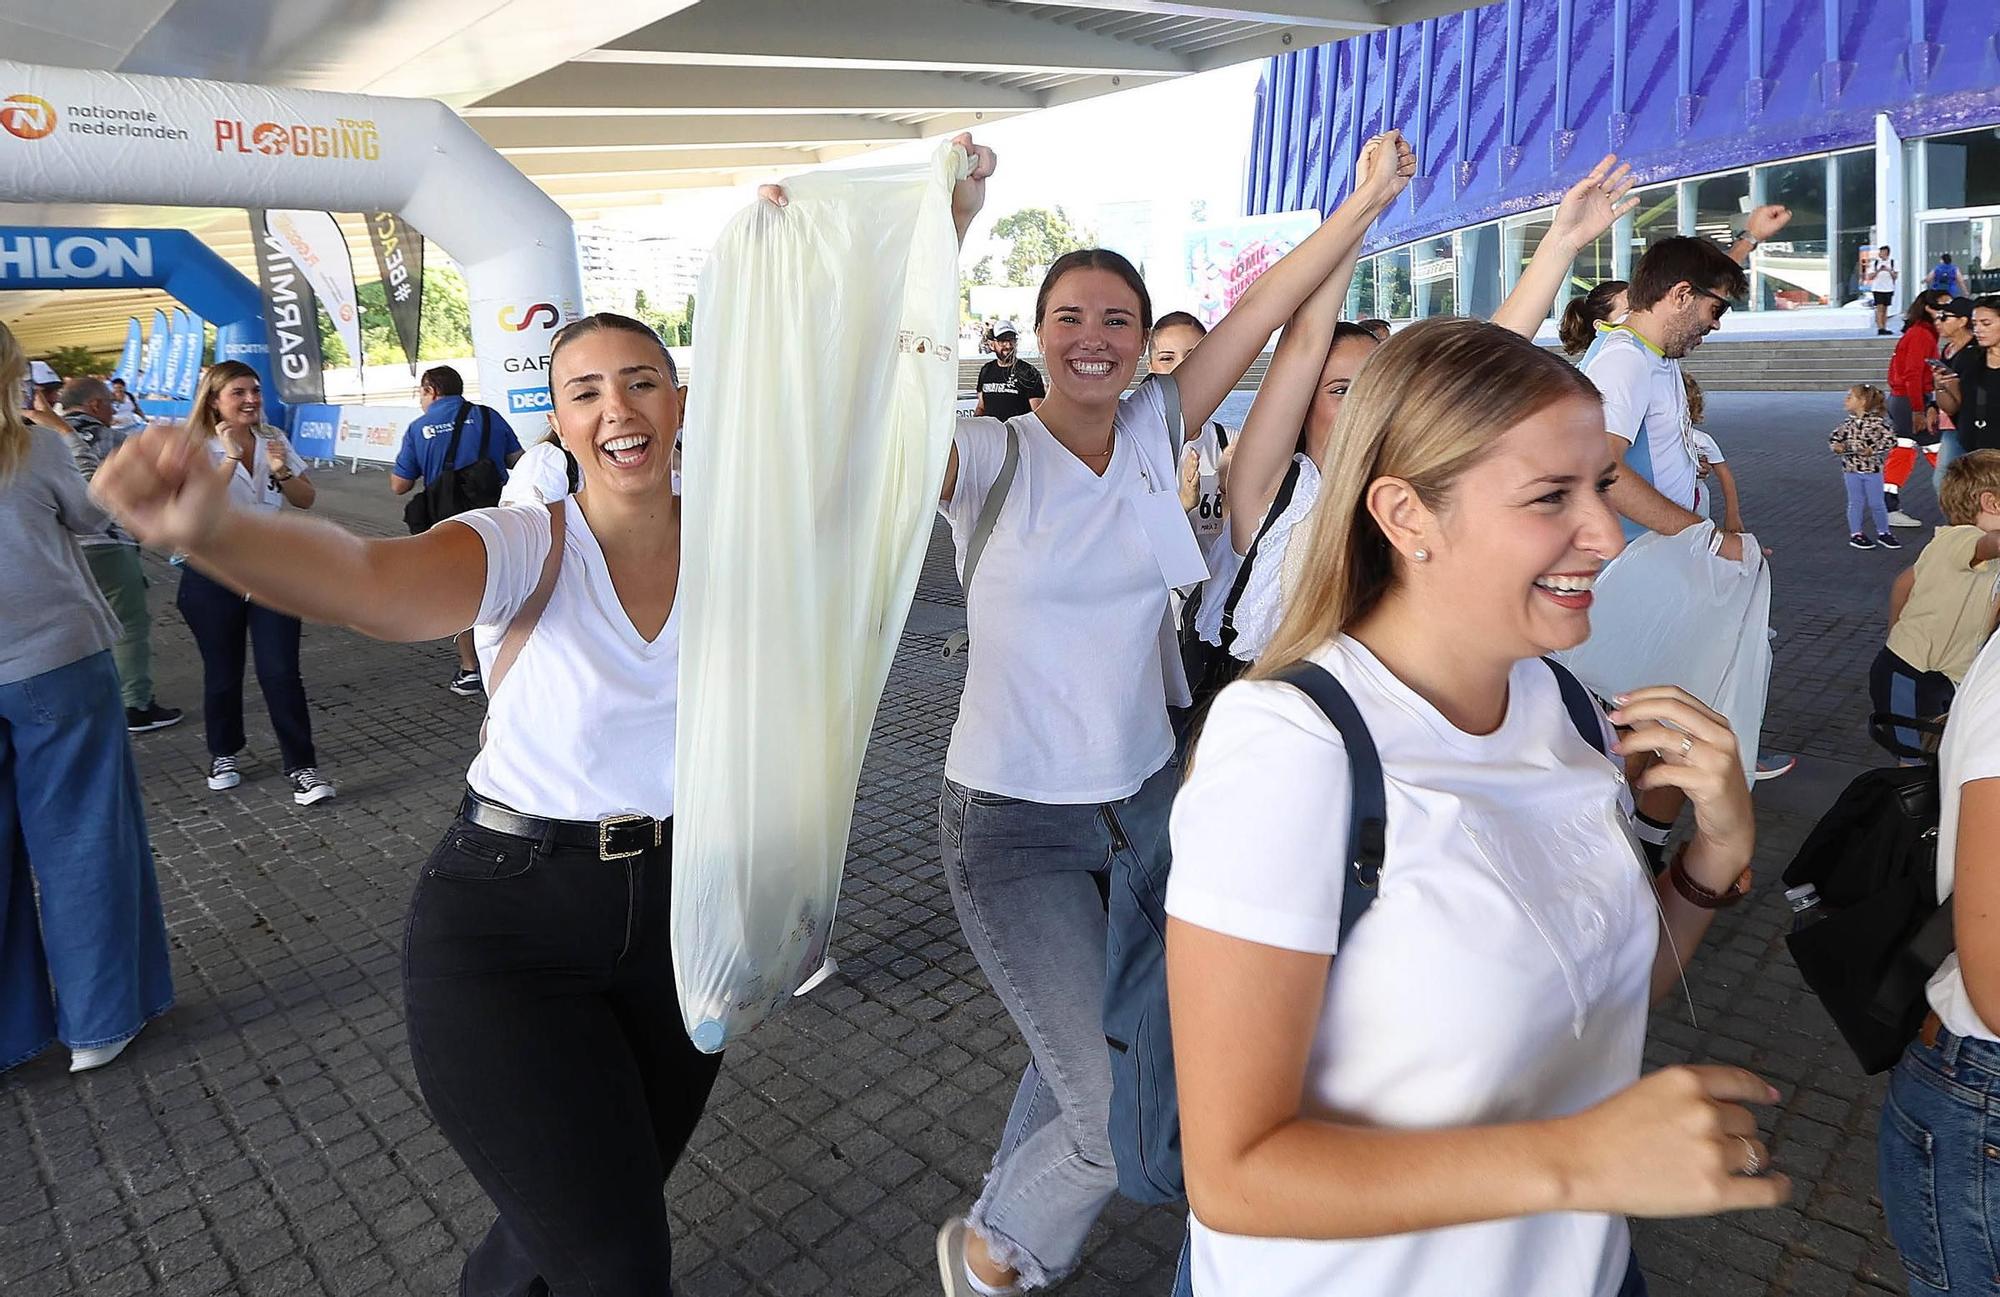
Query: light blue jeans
x=1934 y=1150
x=1865 y=505
x=1029 y=883
x=89 y=965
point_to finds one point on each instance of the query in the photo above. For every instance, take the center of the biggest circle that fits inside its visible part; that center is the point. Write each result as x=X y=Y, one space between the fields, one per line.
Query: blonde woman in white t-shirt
x=1447 y=1101
x=538 y=973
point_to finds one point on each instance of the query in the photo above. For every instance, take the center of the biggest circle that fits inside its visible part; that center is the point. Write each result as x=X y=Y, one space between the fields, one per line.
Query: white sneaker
x=1901 y=519
x=951 y=1241
x=222 y=773
x=83 y=1060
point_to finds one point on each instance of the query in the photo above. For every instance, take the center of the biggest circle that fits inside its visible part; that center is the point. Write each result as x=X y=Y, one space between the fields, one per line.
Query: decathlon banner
x=291 y=317
x=156 y=355
x=173 y=355
x=128 y=359
x=194 y=348
x=399 y=256
x=77 y=136
x=317 y=247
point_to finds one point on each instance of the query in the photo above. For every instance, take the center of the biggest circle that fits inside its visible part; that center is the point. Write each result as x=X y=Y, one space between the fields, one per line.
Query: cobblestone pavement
x=267 y=1137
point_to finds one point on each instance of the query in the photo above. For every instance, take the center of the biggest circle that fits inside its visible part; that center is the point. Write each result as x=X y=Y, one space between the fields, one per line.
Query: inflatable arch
x=74 y=136
x=33 y=257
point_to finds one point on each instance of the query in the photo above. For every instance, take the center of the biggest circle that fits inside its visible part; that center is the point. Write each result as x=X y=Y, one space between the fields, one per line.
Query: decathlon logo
x=529 y=400
x=78 y=256
x=543 y=311
x=30 y=117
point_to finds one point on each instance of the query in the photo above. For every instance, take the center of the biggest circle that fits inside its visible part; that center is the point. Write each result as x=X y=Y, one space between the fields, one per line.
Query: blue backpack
x=1145 y=1103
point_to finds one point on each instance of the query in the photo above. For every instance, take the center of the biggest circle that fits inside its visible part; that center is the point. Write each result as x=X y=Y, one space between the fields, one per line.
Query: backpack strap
x=1279 y=503
x=1582 y=708
x=1170 y=400
x=1368 y=807
x=457 y=427
x=485 y=432
x=1221 y=436
x=982 y=531
x=531 y=609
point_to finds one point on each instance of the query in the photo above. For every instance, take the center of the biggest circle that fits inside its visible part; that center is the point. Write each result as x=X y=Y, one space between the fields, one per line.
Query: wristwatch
x=1701 y=897
x=1747 y=237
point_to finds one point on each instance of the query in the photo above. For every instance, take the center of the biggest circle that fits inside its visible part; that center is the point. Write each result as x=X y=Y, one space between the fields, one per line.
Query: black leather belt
x=615 y=837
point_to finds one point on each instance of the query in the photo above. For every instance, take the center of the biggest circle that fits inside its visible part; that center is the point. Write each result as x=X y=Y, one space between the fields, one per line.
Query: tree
x=444 y=326
x=667 y=326
x=72 y=362
x=1036 y=237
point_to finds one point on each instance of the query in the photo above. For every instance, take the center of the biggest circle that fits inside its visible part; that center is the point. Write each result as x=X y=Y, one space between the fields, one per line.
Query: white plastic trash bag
x=1667 y=611
x=820 y=420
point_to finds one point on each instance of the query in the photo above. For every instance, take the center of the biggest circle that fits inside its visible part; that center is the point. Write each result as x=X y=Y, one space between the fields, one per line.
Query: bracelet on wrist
x=1701 y=897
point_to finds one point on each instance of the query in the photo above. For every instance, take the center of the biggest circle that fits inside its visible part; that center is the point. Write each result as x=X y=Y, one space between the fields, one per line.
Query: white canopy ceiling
x=610 y=103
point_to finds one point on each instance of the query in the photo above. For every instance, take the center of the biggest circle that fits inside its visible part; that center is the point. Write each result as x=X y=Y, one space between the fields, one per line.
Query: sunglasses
x=1714 y=296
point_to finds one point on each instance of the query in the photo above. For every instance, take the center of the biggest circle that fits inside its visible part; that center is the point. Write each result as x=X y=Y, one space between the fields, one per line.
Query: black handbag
x=1872 y=858
x=456 y=490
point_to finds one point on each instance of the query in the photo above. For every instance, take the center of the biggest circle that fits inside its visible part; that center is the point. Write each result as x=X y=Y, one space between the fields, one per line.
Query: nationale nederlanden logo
x=30 y=117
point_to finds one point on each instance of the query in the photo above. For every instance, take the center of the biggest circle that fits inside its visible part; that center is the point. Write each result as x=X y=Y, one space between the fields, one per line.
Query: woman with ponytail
x=1604 y=304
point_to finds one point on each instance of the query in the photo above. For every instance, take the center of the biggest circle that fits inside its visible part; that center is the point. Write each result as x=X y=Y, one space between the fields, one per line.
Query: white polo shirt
x=1501 y=975
x=252 y=486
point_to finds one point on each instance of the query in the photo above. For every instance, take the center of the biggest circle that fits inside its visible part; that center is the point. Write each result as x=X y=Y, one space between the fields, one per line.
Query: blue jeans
x=1029 y=883
x=1949 y=448
x=1940 y=1123
x=221 y=621
x=1864 y=500
x=92 y=967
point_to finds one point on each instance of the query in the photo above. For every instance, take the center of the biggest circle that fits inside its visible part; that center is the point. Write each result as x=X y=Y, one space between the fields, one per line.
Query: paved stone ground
x=266 y=1136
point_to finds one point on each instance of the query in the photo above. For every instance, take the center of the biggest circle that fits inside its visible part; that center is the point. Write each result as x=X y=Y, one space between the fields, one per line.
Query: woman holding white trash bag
x=1060 y=767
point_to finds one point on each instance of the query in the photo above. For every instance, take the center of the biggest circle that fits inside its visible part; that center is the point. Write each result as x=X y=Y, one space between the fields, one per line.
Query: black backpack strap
x=457 y=427
x=1279 y=503
x=485 y=432
x=571 y=469
x=1221 y=436
x=1368 y=805
x=1582 y=708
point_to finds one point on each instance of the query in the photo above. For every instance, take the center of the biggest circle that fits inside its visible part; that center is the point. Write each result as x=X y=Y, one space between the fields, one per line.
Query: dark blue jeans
x=222 y=621
x=1934 y=1150
x=73 y=826
x=546 y=1032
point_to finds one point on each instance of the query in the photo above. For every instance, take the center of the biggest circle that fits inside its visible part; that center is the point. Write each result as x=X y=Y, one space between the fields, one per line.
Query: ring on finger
x=1687 y=745
x=1753 y=1161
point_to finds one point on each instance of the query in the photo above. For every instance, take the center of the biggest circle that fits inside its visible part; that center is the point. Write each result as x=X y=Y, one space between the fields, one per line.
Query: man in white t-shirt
x=1878 y=272
x=1680 y=291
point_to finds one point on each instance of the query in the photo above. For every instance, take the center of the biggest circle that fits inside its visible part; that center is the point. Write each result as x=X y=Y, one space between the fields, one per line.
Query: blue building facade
x=1874 y=120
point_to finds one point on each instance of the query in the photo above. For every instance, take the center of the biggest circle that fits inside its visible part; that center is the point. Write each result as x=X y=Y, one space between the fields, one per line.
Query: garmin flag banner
x=291 y=318
x=319 y=250
x=399 y=255
x=128 y=359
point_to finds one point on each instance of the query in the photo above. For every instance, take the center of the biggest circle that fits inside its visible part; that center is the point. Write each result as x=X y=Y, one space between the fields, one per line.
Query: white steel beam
x=589 y=89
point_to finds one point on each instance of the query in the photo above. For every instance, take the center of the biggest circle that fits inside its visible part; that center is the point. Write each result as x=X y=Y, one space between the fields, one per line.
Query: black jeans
x=222 y=621
x=543 y=1021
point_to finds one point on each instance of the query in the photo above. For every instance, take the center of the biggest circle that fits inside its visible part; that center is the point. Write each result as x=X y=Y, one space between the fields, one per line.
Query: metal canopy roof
x=610 y=103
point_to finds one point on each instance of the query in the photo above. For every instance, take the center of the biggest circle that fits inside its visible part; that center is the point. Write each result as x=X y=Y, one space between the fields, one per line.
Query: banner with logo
x=129 y=358
x=156 y=355
x=291 y=318
x=1220 y=261
x=399 y=255
x=72 y=135
x=168 y=380
x=194 y=343
x=319 y=250
x=372 y=432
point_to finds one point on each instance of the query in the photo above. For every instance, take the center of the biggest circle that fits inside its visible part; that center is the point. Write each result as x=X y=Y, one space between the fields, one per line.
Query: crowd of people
x=1281 y=705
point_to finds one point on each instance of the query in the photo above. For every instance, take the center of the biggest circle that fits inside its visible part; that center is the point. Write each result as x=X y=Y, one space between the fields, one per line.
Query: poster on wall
x=372 y=432
x=1222 y=259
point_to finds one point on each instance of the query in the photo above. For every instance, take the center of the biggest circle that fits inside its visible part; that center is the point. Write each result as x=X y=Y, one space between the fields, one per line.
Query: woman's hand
x=1676 y=1143
x=1384 y=170
x=1593 y=204
x=163 y=487
x=1190 y=480
x=274 y=455
x=969 y=194
x=1694 y=750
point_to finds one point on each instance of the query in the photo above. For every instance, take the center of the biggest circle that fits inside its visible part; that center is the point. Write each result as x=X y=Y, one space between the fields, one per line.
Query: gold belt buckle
x=610 y=822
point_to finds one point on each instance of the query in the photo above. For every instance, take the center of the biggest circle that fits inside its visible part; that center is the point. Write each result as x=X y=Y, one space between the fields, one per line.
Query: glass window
x=1962 y=170
x=1854 y=179
x=1361 y=295
x=1479 y=290
x=1793 y=270
x=1434 y=271
x=1974 y=246
x=1592 y=266
x=1720 y=204
x=1657 y=217
x=1392 y=285
x=1519 y=237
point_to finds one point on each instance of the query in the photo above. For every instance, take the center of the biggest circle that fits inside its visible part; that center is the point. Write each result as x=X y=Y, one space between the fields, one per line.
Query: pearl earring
x=1421 y=555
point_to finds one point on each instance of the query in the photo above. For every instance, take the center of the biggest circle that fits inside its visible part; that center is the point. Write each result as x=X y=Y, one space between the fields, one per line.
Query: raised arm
x=1592 y=205
x=1270 y=436
x=165 y=490
x=1764 y=223
x=1214 y=368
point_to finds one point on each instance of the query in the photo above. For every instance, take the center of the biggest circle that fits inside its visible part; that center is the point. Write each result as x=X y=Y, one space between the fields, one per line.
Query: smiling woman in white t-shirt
x=1446 y=1101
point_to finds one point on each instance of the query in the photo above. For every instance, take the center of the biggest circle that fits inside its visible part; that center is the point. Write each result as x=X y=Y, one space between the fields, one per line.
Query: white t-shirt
x=1262 y=606
x=1882 y=274
x=1645 y=405
x=1073 y=661
x=1501 y=975
x=256 y=490
x=1971 y=750
x=583 y=724
x=539 y=476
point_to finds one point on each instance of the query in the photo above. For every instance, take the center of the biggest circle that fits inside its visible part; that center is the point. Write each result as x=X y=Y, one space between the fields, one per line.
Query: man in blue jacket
x=421 y=460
